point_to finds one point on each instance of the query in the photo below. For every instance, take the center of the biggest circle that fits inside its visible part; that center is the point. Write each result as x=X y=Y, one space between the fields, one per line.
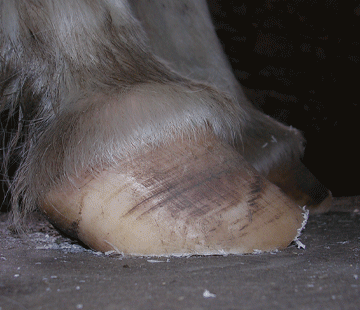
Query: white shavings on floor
x=158 y=261
x=40 y=234
x=114 y=247
x=297 y=242
x=222 y=253
x=207 y=294
x=48 y=242
x=107 y=253
x=67 y=247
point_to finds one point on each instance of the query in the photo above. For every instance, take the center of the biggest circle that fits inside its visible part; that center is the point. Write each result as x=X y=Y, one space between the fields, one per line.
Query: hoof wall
x=188 y=197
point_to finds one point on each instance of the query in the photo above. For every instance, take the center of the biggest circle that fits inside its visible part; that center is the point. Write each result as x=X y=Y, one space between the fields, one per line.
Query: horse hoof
x=186 y=197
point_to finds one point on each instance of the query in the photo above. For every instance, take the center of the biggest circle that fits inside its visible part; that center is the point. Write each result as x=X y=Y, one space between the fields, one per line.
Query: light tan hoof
x=191 y=196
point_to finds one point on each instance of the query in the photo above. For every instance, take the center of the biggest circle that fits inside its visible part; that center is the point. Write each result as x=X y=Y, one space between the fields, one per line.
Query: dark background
x=299 y=62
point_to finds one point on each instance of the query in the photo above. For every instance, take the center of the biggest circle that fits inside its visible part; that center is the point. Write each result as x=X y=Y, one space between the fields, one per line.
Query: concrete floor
x=48 y=271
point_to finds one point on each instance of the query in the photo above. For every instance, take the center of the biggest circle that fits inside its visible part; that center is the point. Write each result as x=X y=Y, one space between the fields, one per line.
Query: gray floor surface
x=49 y=271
